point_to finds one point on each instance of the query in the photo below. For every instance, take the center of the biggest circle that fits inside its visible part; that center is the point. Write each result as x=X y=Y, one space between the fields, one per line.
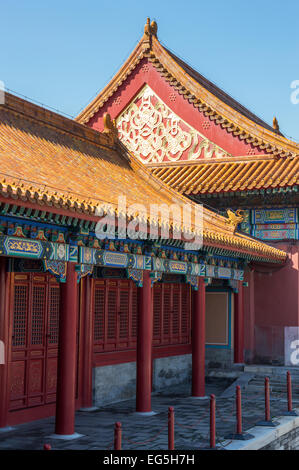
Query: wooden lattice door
x=34 y=346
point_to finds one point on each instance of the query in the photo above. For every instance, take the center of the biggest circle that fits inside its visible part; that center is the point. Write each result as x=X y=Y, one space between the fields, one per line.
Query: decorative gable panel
x=155 y=134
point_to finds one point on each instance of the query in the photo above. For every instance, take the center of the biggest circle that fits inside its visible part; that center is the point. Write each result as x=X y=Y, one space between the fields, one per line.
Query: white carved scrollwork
x=155 y=134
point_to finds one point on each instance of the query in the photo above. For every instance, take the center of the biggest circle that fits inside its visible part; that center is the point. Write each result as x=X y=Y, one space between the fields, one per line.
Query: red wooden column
x=144 y=347
x=198 y=340
x=239 y=324
x=249 y=318
x=66 y=377
x=4 y=336
x=87 y=302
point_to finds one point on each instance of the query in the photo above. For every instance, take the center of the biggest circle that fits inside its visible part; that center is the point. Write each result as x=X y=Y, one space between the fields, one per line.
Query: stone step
x=276 y=389
x=252 y=379
x=279 y=387
x=275 y=380
x=273 y=371
x=273 y=383
x=232 y=373
x=243 y=381
x=279 y=383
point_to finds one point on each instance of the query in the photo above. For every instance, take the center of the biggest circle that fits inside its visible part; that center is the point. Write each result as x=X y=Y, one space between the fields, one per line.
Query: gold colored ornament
x=235 y=218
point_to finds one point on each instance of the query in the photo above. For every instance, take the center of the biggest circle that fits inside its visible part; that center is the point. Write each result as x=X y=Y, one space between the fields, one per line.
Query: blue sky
x=62 y=52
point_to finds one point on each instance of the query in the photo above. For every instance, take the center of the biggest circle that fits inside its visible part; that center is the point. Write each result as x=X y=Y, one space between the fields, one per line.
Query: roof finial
x=154 y=28
x=150 y=28
x=275 y=124
x=147 y=27
x=110 y=126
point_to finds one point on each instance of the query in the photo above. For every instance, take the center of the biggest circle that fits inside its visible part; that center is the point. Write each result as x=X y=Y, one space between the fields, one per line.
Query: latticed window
x=115 y=315
x=157 y=307
x=20 y=315
x=176 y=309
x=36 y=310
x=99 y=311
x=53 y=329
x=172 y=310
x=124 y=313
x=166 y=309
x=185 y=311
x=38 y=317
x=111 y=314
x=134 y=314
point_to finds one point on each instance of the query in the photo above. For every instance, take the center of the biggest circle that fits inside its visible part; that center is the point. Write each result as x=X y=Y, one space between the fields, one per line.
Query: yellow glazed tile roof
x=230 y=176
x=57 y=163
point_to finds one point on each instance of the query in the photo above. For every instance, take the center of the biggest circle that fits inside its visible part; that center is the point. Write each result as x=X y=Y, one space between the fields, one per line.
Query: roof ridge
x=219 y=90
x=50 y=118
x=126 y=69
x=222 y=160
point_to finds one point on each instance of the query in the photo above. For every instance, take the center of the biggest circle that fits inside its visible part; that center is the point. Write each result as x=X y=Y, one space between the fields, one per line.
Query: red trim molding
x=110 y=358
x=173 y=350
x=121 y=357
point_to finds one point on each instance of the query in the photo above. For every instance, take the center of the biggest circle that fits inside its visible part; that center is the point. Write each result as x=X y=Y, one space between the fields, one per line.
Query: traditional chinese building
x=84 y=320
x=207 y=146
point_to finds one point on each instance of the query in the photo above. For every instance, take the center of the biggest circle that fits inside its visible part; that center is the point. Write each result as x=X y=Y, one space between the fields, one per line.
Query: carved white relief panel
x=155 y=134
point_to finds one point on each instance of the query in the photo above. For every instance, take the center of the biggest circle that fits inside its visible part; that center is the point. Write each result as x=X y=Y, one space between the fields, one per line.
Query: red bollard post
x=212 y=421
x=239 y=435
x=289 y=386
x=239 y=409
x=267 y=399
x=47 y=447
x=171 y=428
x=290 y=411
x=268 y=421
x=117 y=436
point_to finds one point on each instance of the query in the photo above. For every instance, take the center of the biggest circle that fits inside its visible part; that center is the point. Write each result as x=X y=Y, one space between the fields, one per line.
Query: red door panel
x=51 y=378
x=33 y=368
x=17 y=384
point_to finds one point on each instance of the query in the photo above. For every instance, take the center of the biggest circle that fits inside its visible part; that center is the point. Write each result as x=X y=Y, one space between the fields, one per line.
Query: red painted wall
x=282 y=308
x=276 y=297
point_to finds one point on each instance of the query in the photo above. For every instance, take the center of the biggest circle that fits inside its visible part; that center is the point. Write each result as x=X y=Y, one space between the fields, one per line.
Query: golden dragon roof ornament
x=235 y=218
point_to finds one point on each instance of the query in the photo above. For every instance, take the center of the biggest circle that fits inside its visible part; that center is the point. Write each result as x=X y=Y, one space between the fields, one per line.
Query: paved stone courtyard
x=191 y=421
